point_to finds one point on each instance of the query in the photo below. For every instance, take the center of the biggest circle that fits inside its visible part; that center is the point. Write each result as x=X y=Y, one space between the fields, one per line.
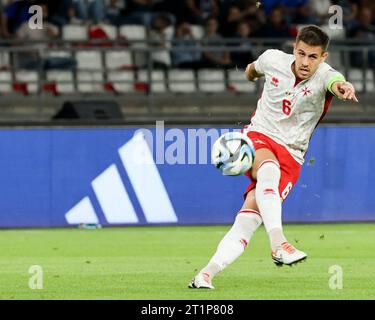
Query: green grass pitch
x=158 y=262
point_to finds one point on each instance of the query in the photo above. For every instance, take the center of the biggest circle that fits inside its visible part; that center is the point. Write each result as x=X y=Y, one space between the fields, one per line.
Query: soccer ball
x=233 y=153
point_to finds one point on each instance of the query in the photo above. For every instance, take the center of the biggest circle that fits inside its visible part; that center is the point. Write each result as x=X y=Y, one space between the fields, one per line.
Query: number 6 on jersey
x=286 y=107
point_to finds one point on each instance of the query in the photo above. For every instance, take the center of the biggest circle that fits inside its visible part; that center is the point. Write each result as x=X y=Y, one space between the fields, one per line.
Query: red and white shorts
x=289 y=167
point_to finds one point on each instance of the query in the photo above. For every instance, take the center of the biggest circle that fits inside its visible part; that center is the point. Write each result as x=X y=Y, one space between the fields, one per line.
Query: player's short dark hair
x=313 y=36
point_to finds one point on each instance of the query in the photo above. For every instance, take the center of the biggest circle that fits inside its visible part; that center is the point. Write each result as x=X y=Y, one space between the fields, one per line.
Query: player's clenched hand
x=250 y=72
x=345 y=91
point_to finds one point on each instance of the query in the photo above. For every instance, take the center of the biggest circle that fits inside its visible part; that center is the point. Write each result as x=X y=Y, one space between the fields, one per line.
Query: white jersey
x=289 y=113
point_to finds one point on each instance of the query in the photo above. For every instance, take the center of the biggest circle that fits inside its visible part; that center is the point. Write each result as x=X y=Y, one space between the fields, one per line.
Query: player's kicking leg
x=261 y=203
x=266 y=171
x=230 y=247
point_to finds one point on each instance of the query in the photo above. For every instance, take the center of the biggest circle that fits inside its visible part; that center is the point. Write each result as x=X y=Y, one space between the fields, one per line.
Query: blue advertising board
x=127 y=176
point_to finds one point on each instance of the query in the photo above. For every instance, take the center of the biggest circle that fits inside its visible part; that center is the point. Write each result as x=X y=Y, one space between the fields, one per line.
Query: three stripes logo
x=113 y=198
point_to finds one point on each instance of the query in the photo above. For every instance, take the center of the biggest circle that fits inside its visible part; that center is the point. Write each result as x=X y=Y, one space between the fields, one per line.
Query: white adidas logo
x=113 y=197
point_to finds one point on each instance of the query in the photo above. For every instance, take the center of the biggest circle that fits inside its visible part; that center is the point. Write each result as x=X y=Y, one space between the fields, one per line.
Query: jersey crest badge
x=306 y=91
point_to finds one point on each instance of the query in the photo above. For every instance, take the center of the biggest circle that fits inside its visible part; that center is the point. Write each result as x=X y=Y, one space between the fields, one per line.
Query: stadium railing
x=125 y=69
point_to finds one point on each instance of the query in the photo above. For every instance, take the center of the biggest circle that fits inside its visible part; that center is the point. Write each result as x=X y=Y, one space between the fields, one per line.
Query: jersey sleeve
x=264 y=61
x=331 y=76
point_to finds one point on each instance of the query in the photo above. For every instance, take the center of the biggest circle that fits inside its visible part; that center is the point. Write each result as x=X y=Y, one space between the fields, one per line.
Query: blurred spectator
x=90 y=10
x=363 y=27
x=72 y=16
x=2 y=5
x=371 y=5
x=365 y=32
x=288 y=5
x=139 y=5
x=304 y=15
x=217 y=58
x=35 y=58
x=242 y=58
x=138 y=12
x=15 y=14
x=199 y=10
x=58 y=11
x=275 y=27
x=350 y=10
x=142 y=12
x=160 y=35
x=267 y=5
x=113 y=11
x=173 y=7
x=184 y=38
x=292 y=10
x=240 y=10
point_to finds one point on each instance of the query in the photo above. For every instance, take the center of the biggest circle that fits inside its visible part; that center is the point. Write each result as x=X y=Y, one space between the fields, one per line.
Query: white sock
x=276 y=238
x=268 y=200
x=234 y=242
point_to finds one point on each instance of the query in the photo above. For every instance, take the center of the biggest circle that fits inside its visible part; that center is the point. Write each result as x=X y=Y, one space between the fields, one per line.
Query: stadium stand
x=71 y=32
x=211 y=80
x=157 y=82
x=181 y=81
x=119 y=58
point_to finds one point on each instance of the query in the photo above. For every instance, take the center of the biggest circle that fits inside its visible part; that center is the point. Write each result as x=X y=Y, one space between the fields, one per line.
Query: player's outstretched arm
x=251 y=73
x=344 y=90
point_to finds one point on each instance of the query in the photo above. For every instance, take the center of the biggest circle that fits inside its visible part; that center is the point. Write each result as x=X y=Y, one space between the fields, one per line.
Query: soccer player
x=297 y=92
